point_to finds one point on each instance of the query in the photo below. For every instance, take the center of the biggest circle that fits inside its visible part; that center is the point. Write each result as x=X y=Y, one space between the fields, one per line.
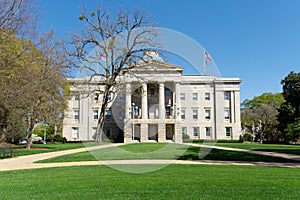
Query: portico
x=150 y=112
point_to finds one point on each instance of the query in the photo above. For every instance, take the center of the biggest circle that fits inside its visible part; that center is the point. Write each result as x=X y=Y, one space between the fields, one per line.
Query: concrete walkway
x=27 y=162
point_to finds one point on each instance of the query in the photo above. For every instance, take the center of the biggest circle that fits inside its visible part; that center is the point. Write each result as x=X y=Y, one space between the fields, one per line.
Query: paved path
x=27 y=162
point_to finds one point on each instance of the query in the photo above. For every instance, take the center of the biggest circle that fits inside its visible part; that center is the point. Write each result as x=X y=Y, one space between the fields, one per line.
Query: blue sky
x=255 y=40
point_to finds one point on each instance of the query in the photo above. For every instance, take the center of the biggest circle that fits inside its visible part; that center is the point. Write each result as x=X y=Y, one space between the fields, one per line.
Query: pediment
x=157 y=67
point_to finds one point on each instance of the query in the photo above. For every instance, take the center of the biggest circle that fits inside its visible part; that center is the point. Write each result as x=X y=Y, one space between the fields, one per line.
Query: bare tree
x=113 y=43
x=16 y=15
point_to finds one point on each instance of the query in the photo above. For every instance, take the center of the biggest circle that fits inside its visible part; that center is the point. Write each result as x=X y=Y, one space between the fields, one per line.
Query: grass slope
x=163 y=151
x=172 y=182
x=280 y=148
x=44 y=148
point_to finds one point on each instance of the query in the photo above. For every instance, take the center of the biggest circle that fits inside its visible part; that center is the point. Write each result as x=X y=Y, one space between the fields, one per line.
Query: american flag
x=102 y=57
x=207 y=56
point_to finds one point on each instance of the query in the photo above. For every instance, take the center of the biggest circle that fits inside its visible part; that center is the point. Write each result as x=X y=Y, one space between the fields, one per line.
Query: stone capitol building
x=156 y=102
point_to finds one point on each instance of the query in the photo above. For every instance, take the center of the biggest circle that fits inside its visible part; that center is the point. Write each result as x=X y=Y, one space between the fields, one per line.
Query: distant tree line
x=274 y=117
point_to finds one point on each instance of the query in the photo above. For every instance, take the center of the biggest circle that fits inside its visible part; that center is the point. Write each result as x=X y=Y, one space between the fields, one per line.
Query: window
x=75 y=132
x=227 y=114
x=168 y=93
x=137 y=92
x=77 y=97
x=108 y=114
x=183 y=130
x=226 y=95
x=207 y=96
x=195 y=131
x=95 y=113
x=195 y=96
x=228 y=131
x=168 y=111
x=182 y=114
x=208 y=131
x=182 y=96
x=121 y=97
x=195 y=114
x=207 y=114
x=152 y=92
x=76 y=114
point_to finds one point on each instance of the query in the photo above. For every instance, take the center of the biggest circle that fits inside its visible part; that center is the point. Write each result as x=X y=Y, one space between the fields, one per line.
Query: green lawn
x=43 y=148
x=163 y=151
x=172 y=182
x=280 y=148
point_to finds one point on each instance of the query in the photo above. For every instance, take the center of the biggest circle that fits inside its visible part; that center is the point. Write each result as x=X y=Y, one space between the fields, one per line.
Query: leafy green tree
x=17 y=17
x=40 y=131
x=32 y=85
x=289 y=112
x=262 y=110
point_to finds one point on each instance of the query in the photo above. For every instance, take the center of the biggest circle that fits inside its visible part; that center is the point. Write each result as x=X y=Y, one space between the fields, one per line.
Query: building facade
x=156 y=102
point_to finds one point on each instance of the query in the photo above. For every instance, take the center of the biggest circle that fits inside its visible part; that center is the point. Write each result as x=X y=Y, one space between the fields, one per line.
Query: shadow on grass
x=163 y=151
x=192 y=153
x=287 y=151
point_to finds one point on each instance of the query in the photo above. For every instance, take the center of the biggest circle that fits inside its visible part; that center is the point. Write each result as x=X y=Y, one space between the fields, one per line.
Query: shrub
x=245 y=138
x=227 y=141
x=73 y=142
x=64 y=140
x=109 y=140
x=58 y=138
x=186 y=138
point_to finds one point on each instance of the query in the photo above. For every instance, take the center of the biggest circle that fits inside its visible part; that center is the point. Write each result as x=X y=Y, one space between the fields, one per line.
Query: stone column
x=177 y=102
x=144 y=102
x=161 y=111
x=236 y=130
x=177 y=115
x=128 y=101
x=232 y=107
x=127 y=119
x=237 y=107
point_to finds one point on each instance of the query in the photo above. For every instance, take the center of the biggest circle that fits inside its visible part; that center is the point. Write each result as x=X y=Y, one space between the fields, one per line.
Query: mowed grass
x=44 y=148
x=163 y=151
x=172 y=182
x=280 y=148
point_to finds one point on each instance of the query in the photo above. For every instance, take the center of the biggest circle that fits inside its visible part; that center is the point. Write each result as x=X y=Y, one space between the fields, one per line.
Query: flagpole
x=204 y=62
x=204 y=57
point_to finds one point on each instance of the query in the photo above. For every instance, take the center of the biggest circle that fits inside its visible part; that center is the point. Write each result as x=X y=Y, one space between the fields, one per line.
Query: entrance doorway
x=170 y=132
x=153 y=132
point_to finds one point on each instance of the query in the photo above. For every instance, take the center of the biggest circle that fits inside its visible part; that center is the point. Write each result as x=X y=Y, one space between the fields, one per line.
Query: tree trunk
x=3 y=122
x=101 y=119
x=99 y=134
x=2 y=136
x=29 y=134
